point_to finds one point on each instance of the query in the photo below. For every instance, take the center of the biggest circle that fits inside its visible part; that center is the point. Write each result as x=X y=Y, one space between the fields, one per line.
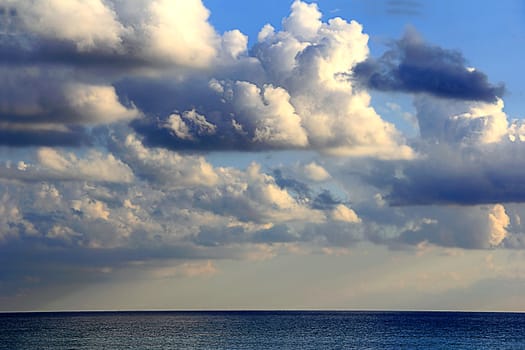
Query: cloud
x=95 y=167
x=161 y=65
x=468 y=156
x=146 y=33
x=254 y=196
x=178 y=31
x=53 y=165
x=33 y=97
x=460 y=122
x=162 y=167
x=469 y=152
x=481 y=227
x=285 y=93
x=315 y=172
x=464 y=176
x=343 y=213
x=89 y=24
x=60 y=62
x=499 y=221
x=22 y=136
x=414 y=66
x=41 y=106
x=139 y=90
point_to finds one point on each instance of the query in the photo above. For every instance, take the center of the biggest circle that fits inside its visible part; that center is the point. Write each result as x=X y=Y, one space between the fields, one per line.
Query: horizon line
x=212 y=310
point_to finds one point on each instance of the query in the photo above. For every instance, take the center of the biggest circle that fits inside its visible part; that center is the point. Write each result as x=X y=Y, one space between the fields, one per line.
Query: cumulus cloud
x=95 y=167
x=315 y=172
x=104 y=32
x=254 y=196
x=88 y=24
x=190 y=125
x=469 y=151
x=178 y=31
x=499 y=221
x=60 y=62
x=412 y=65
x=459 y=122
x=162 y=167
x=54 y=165
x=12 y=222
x=343 y=213
x=287 y=93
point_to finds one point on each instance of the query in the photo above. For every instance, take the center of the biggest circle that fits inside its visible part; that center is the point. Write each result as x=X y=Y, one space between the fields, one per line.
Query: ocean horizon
x=262 y=329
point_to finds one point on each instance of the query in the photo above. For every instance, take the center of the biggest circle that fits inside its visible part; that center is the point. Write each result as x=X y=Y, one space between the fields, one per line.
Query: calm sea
x=262 y=330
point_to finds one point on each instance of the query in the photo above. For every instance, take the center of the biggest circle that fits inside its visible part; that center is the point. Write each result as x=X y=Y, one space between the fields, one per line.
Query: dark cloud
x=455 y=175
x=76 y=136
x=37 y=263
x=160 y=98
x=412 y=65
x=325 y=201
x=23 y=51
x=297 y=188
x=156 y=134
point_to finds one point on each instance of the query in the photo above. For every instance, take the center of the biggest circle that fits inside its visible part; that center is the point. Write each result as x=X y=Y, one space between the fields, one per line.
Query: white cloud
x=12 y=222
x=461 y=121
x=291 y=91
x=91 y=209
x=308 y=59
x=190 y=125
x=178 y=31
x=54 y=165
x=89 y=24
x=97 y=104
x=304 y=22
x=253 y=196
x=315 y=172
x=498 y=223
x=234 y=43
x=62 y=233
x=342 y=213
x=95 y=166
x=165 y=168
x=275 y=122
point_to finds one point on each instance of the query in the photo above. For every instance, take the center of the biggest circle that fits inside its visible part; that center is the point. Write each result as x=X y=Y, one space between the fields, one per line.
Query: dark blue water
x=262 y=330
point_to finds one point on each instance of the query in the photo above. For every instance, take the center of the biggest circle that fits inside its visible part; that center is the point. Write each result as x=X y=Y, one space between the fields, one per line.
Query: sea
x=262 y=330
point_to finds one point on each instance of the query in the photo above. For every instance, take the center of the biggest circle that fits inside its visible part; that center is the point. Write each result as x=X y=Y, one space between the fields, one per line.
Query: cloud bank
x=109 y=112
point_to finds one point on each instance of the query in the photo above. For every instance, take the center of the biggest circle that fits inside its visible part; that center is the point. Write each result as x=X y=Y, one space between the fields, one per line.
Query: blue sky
x=169 y=154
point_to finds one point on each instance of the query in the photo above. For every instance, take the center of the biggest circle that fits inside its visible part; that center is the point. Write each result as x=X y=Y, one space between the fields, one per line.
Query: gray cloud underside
x=29 y=138
x=417 y=67
x=455 y=175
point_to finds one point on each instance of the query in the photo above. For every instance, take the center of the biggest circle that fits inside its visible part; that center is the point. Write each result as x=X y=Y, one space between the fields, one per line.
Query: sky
x=206 y=154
